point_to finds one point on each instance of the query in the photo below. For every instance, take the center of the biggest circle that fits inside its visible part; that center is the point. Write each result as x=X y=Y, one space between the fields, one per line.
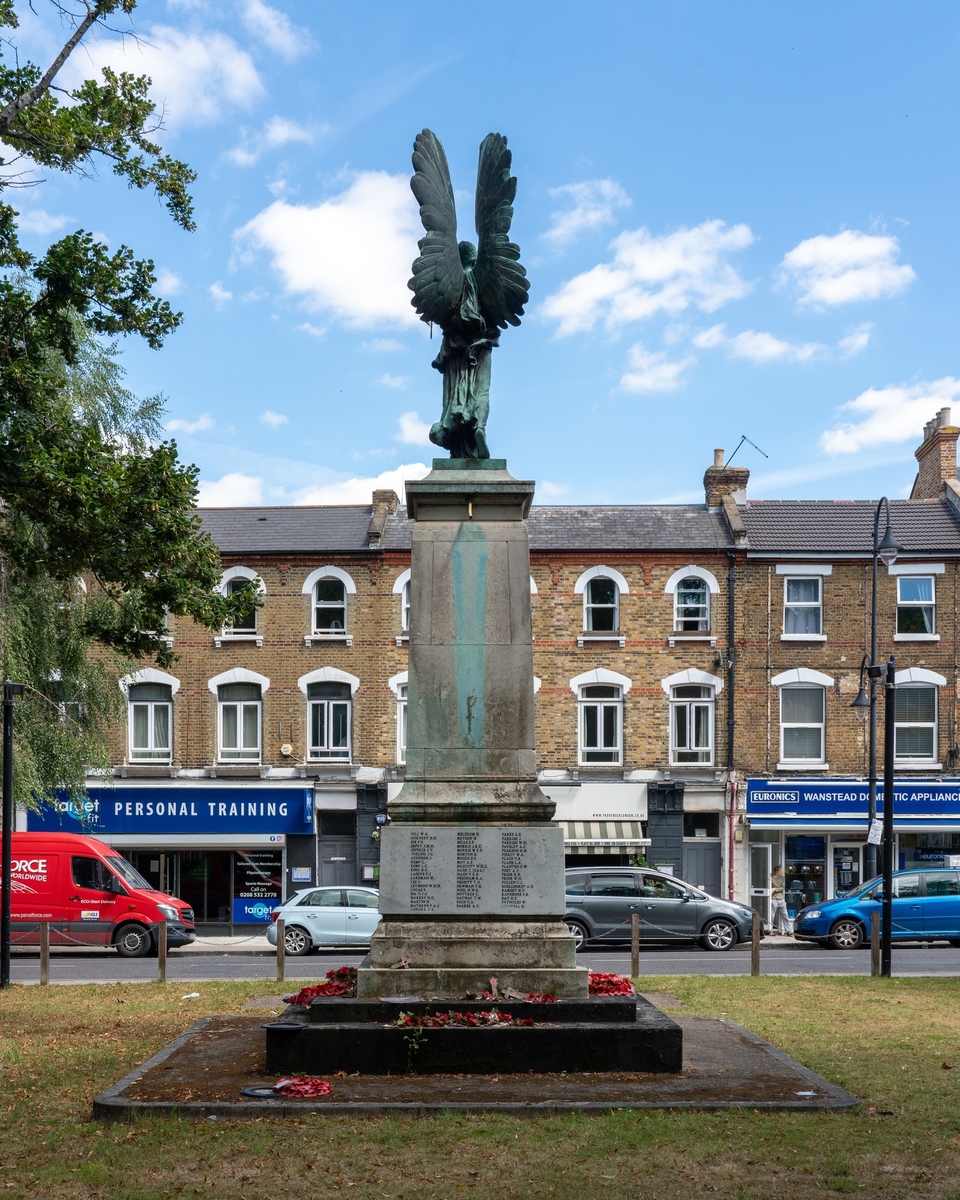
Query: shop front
x=230 y=850
x=602 y=822
x=817 y=831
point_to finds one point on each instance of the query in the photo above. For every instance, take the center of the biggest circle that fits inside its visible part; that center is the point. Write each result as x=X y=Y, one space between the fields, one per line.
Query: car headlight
x=811 y=914
x=168 y=911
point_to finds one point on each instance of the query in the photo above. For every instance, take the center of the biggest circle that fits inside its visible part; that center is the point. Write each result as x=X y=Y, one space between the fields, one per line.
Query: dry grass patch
x=886 y=1041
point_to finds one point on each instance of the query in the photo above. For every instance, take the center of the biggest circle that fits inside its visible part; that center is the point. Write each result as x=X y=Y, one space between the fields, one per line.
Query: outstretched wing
x=438 y=278
x=502 y=285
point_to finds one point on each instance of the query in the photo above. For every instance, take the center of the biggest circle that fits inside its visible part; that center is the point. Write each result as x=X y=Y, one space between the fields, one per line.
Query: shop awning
x=602 y=837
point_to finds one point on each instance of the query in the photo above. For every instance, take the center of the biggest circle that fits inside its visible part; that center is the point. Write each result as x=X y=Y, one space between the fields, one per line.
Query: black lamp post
x=10 y=690
x=886 y=549
x=886 y=917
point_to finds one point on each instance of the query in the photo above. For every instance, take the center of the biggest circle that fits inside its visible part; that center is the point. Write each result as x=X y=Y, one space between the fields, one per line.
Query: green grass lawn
x=887 y=1041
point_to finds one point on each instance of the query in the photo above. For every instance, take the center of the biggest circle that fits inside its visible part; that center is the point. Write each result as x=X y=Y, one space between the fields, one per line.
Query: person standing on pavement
x=779 y=917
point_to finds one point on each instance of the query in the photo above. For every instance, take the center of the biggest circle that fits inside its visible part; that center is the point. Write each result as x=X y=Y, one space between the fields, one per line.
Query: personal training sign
x=150 y=810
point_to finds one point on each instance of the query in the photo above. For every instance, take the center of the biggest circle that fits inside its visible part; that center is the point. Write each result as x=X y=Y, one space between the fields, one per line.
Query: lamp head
x=861 y=706
x=889 y=547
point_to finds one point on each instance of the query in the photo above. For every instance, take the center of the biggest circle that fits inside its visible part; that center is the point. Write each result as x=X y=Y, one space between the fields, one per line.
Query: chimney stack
x=720 y=481
x=936 y=457
x=385 y=504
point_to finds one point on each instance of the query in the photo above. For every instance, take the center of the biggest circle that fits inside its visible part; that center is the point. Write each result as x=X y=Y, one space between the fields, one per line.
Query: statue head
x=468 y=254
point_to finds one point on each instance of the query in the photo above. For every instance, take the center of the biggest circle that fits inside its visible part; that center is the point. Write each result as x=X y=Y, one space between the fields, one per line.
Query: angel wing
x=502 y=286
x=438 y=277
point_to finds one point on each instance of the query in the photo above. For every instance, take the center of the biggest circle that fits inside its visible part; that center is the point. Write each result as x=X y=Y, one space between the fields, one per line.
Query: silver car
x=327 y=916
x=601 y=902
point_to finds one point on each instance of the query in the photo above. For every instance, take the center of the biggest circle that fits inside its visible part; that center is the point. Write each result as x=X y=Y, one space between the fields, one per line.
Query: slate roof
x=301 y=529
x=846 y=526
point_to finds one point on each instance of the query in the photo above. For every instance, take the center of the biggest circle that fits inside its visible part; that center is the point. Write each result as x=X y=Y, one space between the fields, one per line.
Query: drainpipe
x=731 y=721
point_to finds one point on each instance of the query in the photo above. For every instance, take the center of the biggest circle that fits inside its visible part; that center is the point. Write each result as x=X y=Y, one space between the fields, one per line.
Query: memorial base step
x=452 y=983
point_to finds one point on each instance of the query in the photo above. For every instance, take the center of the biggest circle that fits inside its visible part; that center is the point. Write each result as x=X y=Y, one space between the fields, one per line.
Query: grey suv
x=602 y=900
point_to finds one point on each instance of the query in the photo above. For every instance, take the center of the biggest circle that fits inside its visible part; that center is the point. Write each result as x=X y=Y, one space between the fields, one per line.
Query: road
x=106 y=966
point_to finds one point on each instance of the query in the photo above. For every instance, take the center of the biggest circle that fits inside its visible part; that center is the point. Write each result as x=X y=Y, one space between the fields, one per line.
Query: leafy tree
x=86 y=487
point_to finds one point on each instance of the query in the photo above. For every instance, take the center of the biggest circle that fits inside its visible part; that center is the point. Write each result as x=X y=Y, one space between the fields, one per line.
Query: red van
x=90 y=895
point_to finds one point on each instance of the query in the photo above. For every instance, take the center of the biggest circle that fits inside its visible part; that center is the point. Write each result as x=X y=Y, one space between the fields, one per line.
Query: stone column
x=471 y=863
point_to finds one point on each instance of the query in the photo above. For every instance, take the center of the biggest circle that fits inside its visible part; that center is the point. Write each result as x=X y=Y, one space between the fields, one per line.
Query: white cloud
x=400 y=382
x=278 y=131
x=552 y=489
x=196 y=76
x=856 y=340
x=650 y=274
x=846 y=267
x=179 y=425
x=889 y=415
x=358 y=491
x=653 y=372
x=317 y=331
x=756 y=345
x=350 y=254
x=39 y=221
x=275 y=29
x=219 y=294
x=413 y=431
x=168 y=282
x=384 y=345
x=230 y=491
x=272 y=418
x=594 y=203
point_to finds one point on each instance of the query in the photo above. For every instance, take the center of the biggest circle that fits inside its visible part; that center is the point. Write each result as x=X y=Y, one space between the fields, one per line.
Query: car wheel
x=580 y=933
x=847 y=934
x=296 y=940
x=133 y=941
x=719 y=935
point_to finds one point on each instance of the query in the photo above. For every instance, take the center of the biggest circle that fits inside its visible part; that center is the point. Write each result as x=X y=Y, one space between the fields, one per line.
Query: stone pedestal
x=471 y=875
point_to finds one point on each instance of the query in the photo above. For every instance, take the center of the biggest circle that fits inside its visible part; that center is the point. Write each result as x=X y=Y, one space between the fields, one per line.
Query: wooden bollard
x=755 y=945
x=874 y=943
x=635 y=945
x=162 y=951
x=281 y=951
x=44 y=952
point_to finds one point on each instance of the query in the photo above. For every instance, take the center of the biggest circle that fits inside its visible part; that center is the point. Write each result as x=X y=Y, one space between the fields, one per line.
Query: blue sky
x=736 y=219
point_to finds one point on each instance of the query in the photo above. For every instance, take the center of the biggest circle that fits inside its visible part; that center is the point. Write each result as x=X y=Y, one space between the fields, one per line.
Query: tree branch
x=13 y=110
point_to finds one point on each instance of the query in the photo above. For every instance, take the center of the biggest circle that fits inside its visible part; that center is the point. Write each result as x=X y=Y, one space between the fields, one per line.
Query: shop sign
x=155 y=810
x=850 y=798
x=257 y=885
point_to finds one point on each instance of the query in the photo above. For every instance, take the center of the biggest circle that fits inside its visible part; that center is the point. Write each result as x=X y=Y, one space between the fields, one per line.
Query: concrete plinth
x=471 y=874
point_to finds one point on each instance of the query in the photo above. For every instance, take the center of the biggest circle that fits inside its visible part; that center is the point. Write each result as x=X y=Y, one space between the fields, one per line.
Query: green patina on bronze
x=471 y=292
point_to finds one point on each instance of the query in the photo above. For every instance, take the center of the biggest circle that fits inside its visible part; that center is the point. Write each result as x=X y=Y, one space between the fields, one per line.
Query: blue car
x=925 y=904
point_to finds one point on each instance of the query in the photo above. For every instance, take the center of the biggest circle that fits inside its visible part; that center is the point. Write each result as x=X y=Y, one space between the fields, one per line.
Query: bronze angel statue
x=471 y=292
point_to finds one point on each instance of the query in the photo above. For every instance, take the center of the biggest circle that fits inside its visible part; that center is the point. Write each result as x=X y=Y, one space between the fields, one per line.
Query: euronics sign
x=849 y=798
x=180 y=810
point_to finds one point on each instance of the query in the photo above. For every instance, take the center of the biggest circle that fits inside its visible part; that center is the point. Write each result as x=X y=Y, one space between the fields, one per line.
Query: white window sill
x=916 y=637
x=803 y=637
x=803 y=766
x=680 y=638
x=321 y=638
x=238 y=637
x=619 y=638
x=911 y=764
x=403 y=637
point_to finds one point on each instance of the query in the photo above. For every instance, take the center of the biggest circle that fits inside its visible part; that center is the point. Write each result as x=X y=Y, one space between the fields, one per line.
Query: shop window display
x=806 y=871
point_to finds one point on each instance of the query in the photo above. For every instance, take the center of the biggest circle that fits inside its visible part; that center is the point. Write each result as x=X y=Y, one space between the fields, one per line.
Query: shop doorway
x=161 y=870
x=760 y=866
x=846 y=860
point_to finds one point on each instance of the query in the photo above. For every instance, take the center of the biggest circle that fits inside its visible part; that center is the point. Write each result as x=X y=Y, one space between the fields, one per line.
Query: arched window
x=692 y=605
x=330 y=606
x=601 y=606
x=691 y=723
x=150 y=708
x=601 y=723
x=245 y=625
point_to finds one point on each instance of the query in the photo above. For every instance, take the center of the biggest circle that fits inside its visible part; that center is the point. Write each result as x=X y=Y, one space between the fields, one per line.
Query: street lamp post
x=886 y=922
x=10 y=690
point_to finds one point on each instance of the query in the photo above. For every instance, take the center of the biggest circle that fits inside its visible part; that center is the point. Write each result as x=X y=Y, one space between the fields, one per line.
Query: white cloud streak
x=846 y=267
x=650 y=275
x=180 y=425
x=219 y=294
x=856 y=340
x=234 y=490
x=756 y=345
x=358 y=491
x=275 y=30
x=653 y=372
x=413 y=430
x=168 y=282
x=889 y=415
x=399 y=382
x=593 y=204
x=349 y=255
x=39 y=221
x=273 y=418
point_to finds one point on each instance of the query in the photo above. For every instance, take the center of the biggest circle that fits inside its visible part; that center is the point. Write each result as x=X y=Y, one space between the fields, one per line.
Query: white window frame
x=925 y=636
x=818 y=606
x=704 y=626
x=310 y=589
x=708 y=702
x=934 y=725
x=398 y=685
x=317 y=753
x=148 y=754
x=602 y=704
x=582 y=588
x=223 y=751
x=805 y=685
x=228 y=633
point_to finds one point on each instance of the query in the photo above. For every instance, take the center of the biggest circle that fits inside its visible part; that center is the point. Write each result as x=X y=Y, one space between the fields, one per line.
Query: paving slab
x=202 y=1072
